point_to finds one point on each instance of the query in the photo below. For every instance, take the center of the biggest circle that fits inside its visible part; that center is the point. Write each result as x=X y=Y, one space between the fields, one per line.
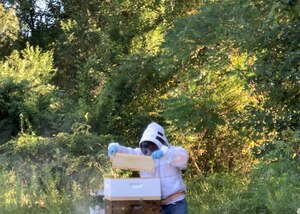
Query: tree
x=131 y=93
x=277 y=68
x=38 y=20
x=25 y=91
x=9 y=30
x=216 y=69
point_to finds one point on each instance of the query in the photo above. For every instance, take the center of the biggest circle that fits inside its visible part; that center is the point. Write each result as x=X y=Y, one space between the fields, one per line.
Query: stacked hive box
x=132 y=195
x=138 y=207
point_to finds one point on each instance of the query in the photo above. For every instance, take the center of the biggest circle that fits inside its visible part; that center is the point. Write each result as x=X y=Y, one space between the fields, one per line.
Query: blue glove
x=157 y=154
x=112 y=149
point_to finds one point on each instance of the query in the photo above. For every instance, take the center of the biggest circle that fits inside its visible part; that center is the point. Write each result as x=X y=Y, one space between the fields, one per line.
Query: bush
x=272 y=185
x=48 y=174
x=275 y=181
x=25 y=92
x=214 y=193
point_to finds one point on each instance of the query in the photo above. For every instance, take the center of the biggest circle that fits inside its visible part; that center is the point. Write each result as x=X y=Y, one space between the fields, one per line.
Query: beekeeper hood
x=156 y=134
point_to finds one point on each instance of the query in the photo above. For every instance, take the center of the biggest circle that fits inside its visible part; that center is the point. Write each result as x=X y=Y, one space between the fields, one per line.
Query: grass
x=41 y=195
x=214 y=194
x=36 y=194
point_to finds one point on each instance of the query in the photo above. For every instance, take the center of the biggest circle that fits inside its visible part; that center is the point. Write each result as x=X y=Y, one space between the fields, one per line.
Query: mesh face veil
x=153 y=138
x=148 y=147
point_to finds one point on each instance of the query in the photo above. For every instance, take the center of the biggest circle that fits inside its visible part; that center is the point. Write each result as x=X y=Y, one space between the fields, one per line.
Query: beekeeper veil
x=153 y=139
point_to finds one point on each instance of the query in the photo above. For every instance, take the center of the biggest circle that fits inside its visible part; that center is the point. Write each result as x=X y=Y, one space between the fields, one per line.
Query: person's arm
x=177 y=156
x=114 y=148
x=129 y=150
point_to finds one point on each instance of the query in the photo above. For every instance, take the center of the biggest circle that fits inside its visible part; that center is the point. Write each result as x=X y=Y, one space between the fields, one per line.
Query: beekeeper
x=169 y=162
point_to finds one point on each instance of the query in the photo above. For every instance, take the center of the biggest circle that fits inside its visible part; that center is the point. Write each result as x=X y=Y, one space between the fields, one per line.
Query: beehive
x=132 y=195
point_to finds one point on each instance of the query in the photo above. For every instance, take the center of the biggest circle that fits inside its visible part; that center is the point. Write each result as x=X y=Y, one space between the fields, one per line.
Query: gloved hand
x=112 y=149
x=157 y=154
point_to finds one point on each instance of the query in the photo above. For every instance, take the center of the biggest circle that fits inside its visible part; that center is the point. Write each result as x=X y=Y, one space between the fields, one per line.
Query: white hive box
x=116 y=189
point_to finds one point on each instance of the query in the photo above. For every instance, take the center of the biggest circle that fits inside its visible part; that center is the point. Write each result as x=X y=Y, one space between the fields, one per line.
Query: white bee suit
x=168 y=168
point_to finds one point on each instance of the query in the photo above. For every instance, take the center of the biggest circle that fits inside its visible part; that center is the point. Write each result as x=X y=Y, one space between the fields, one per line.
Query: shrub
x=214 y=193
x=274 y=183
x=48 y=174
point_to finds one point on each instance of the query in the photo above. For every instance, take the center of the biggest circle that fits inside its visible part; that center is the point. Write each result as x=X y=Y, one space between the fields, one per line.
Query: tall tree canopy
x=222 y=76
x=9 y=29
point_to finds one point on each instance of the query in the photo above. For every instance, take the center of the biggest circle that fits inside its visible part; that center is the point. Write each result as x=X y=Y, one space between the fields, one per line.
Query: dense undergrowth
x=222 y=77
x=42 y=177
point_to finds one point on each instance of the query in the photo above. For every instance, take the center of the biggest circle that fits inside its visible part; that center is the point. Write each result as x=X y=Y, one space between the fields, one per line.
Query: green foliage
x=224 y=151
x=12 y=102
x=119 y=101
x=149 y=43
x=221 y=76
x=217 y=80
x=53 y=174
x=84 y=55
x=9 y=29
x=214 y=194
x=207 y=101
x=208 y=94
x=275 y=66
x=25 y=94
x=274 y=186
x=278 y=67
x=38 y=21
x=30 y=64
x=37 y=193
x=81 y=143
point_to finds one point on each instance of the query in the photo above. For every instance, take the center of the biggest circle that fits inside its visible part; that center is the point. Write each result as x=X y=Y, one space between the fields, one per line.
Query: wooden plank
x=133 y=162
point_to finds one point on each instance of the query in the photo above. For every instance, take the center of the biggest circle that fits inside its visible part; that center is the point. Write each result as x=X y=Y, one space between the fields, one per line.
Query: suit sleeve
x=177 y=156
x=128 y=150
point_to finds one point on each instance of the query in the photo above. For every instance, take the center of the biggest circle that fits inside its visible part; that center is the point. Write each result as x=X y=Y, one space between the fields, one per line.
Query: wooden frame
x=133 y=162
